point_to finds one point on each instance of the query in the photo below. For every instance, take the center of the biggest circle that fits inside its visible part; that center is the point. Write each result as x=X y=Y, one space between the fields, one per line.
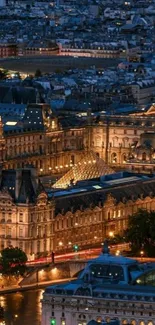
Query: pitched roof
x=85 y=199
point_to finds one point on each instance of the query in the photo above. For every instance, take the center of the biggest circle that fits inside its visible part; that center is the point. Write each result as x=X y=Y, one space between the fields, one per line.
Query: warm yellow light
x=117 y=253
x=49 y=168
x=54 y=270
x=60 y=243
x=111 y=234
x=95 y=237
x=41 y=169
x=41 y=271
x=69 y=243
x=16 y=316
x=142 y=253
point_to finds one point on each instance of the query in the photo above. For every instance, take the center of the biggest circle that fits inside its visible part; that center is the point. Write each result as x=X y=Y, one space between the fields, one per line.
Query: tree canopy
x=3 y=74
x=13 y=261
x=38 y=73
x=141 y=233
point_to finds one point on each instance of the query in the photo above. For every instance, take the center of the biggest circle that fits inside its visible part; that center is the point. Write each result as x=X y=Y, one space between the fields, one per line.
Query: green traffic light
x=53 y=322
x=76 y=247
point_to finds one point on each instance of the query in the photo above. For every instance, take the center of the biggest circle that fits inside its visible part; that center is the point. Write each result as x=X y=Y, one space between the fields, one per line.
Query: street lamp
x=142 y=254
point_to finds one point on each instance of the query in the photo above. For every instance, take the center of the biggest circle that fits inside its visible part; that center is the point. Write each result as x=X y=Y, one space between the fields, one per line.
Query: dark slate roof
x=92 y=197
x=17 y=94
x=8 y=180
x=25 y=190
x=71 y=121
x=33 y=117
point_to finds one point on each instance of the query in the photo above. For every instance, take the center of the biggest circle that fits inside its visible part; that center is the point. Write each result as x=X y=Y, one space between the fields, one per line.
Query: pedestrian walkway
x=38 y=285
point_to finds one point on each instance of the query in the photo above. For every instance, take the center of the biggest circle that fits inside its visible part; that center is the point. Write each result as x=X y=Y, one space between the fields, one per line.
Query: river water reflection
x=22 y=308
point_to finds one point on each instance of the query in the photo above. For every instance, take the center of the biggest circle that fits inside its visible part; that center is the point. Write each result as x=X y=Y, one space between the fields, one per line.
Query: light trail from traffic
x=83 y=255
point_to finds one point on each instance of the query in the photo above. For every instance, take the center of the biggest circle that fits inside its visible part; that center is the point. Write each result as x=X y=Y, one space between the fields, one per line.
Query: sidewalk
x=17 y=288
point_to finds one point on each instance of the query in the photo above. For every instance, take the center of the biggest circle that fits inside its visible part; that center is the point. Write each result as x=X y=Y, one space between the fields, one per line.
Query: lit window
x=53 y=124
x=63 y=322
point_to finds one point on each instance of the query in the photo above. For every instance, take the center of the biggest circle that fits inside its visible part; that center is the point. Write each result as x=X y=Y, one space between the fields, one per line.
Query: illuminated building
x=55 y=144
x=40 y=139
x=109 y=287
x=40 y=220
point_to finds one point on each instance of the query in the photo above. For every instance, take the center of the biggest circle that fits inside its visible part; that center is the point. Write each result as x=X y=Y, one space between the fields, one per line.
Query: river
x=22 y=308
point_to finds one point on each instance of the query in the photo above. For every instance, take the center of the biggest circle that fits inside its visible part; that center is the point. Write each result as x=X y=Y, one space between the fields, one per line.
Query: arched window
x=99 y=319
x=124 y=322
x=142 y=323
x=150 y=323
x=114 y=158
x=107 y=319
x=133 y=322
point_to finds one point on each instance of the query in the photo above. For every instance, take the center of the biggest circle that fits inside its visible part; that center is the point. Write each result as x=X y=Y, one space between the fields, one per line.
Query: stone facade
x=80 y=310
x=39 y=221
x=53 y=145
x=43 y=142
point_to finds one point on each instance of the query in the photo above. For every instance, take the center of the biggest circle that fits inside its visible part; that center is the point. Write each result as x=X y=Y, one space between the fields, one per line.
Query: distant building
x=40 y=48
x=8 y=50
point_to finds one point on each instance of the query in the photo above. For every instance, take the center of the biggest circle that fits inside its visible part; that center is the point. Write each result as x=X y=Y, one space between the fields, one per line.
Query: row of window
x=23 y=139
x=70 y=222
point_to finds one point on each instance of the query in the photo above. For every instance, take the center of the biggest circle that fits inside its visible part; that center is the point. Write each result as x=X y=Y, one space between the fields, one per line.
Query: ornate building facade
x=51 y=145
x=40 y=220
x=109 y=287
x=54 y=144
x=117 y=138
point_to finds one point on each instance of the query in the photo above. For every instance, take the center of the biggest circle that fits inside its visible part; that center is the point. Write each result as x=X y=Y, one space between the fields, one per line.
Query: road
x=85 y=254
x=29 y=65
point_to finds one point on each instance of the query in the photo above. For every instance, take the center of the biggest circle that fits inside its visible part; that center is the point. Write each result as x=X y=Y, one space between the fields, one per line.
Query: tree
x=38 y=73
x=3 y=74
x=13 y=261
x=141 y=232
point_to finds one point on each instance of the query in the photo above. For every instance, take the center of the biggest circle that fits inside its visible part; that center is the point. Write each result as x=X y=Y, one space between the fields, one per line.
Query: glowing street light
x=141 y=253
x=60 y=243
x=111 y=234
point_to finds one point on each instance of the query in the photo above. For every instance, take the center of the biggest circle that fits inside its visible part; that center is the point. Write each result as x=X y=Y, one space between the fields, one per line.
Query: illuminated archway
x=133 y=322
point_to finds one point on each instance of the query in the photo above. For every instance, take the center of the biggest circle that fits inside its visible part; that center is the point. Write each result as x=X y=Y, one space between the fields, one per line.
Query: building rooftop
x=90 y=166
x=122 y=186
x=110 y=277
